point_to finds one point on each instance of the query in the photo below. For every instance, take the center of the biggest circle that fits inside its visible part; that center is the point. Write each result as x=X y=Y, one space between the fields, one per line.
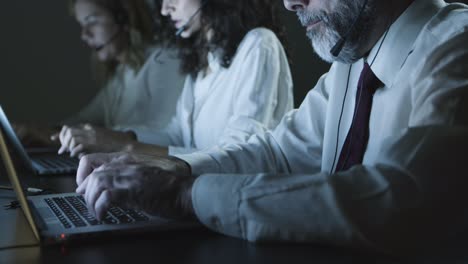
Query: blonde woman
x=139 y=75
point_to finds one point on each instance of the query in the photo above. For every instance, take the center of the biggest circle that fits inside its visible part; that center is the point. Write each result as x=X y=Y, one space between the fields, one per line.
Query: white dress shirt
x=411 y=188
x=143 y=99
x=228 y=105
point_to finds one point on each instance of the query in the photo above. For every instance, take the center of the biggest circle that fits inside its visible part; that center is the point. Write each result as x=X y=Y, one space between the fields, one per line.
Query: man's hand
x=87 y=138
x=91 y=162
x=158 y=185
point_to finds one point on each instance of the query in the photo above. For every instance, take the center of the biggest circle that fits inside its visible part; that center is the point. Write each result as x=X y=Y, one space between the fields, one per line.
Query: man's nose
x=85 y=34
x=296 y=5
x=165 y=8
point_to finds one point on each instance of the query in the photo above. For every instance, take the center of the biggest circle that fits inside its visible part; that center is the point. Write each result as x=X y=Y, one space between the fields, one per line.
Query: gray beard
x=333 y=26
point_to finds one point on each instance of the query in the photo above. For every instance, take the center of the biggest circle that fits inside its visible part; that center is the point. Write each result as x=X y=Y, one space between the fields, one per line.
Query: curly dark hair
x=230 y=21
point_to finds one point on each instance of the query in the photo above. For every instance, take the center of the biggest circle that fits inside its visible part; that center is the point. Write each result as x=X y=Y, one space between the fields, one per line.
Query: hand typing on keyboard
x=87 y=138
x=160 y=186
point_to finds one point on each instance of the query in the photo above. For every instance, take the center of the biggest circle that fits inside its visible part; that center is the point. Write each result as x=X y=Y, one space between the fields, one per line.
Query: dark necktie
x=355 y=144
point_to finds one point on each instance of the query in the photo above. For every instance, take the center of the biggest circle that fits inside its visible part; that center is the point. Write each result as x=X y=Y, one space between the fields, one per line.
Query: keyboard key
x=108 y=219
x=69 y=212
x=82 y=210
x=58 y=213
x=120 y=215
x=72 y=210
x=137 y=216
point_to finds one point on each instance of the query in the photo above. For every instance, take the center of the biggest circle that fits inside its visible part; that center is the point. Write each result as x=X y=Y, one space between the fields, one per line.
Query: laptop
x=60 y=218
x=42 y=162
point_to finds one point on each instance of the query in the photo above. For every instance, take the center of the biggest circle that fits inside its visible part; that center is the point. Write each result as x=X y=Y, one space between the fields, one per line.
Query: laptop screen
x=13 y=140
x=16 y=184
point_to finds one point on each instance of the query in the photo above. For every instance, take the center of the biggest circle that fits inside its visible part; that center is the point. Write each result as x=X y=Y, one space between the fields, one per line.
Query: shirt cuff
x=216 y=200
x=147 y=136
x=173 y=151
x=143 y=136
x=200 y=163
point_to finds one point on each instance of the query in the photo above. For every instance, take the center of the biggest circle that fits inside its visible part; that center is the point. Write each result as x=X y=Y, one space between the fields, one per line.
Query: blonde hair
x=136 y=17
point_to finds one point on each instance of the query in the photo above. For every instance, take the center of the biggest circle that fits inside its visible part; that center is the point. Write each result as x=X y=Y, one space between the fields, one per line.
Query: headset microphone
x=336 y=50
x=110 y=40
x=187 y=24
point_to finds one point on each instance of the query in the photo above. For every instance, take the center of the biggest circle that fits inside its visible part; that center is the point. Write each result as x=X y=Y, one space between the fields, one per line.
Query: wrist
x=181 y=166
x=186 y=199
x=188 y=168
x=162 y=151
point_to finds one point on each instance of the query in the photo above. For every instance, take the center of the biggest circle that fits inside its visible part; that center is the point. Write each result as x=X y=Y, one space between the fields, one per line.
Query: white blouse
x=230 y=104
x=134 y=99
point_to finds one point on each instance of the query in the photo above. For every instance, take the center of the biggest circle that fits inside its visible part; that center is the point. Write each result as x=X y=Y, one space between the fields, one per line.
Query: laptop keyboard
x=72 y=212
x=56 y=164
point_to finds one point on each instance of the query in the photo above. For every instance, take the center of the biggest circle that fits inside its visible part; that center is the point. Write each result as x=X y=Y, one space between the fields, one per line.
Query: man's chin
x=323 y=51
x=322 y=44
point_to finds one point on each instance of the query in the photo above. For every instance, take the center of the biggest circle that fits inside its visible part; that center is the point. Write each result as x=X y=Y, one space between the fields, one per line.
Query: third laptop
x=42 y=162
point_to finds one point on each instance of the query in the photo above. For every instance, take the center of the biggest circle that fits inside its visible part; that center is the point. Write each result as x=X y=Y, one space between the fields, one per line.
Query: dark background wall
x=45 y=67
x=306 y=67
x=45 y=72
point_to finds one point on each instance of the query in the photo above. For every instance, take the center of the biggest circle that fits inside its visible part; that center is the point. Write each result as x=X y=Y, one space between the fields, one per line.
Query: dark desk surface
x=194 y=246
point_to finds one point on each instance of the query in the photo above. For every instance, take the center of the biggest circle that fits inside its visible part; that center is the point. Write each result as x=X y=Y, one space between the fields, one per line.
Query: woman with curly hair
x=239 y=82
x=138 y=73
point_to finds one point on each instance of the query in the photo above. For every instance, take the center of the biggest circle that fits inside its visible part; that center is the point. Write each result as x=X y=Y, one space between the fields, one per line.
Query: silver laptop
x=64 y=217
x=42 y=162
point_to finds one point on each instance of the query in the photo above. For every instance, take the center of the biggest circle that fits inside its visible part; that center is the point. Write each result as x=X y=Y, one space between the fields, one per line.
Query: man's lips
x=177 y=23
x=312 y=24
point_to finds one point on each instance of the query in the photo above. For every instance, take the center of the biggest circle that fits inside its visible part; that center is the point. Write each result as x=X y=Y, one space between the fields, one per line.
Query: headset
x=189 y=21
x=336 y=50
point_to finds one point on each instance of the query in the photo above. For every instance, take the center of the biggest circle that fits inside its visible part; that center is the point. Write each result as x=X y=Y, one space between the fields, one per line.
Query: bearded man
x=374 y=157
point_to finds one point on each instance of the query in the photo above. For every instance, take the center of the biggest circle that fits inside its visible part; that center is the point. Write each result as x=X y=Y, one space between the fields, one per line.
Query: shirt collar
x=399 y=40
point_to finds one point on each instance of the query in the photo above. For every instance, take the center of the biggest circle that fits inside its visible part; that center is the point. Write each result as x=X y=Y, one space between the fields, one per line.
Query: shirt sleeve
x=171 y=134
x=411 y=196
x=98 y=111
x=395 y=203
x=264 y=91
x=295 y=145
x=161 y=82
